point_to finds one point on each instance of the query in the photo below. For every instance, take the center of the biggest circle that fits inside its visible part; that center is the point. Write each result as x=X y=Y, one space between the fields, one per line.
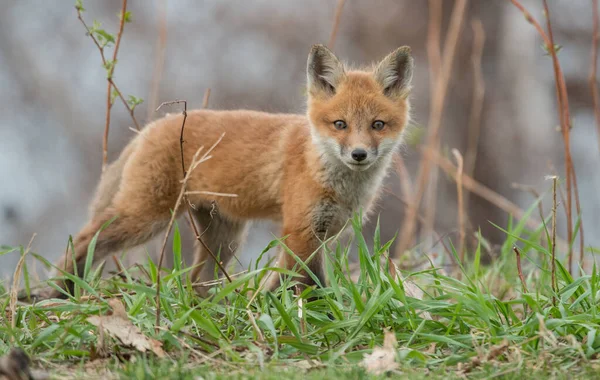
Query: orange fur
x=295 y=169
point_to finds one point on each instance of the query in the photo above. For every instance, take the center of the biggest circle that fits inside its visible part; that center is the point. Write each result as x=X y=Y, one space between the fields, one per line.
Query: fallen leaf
x=118 y=325
x=382 y=359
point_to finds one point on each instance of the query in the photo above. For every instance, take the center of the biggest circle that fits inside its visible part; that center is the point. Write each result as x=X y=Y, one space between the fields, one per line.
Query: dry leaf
x=119 y=326
x=382 y=359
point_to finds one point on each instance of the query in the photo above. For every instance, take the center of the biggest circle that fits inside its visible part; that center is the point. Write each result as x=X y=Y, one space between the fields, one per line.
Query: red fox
x=309 y=172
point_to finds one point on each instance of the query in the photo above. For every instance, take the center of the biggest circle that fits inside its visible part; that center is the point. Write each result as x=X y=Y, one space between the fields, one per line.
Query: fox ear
x=394 y=72
x=324 y=70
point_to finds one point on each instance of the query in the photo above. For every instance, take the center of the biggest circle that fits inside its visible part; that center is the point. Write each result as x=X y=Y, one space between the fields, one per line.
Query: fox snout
x=359 y=155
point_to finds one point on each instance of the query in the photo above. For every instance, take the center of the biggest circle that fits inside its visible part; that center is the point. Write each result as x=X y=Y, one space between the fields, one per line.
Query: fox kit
x=309 y=172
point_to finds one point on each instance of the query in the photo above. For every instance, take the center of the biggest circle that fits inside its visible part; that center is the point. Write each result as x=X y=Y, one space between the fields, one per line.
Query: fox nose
x=359 y=154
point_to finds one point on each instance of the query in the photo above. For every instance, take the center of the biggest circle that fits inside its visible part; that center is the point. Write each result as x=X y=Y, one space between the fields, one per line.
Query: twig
x=565 y=127
x=520 y=269
x=118 y=265
x=336 y=23
x=186 y=175
x=564 y=117
x=437 y=106
x=190 y=216
x=461 y=207
x=450 y=46
x=197 y=233
x=111 y=83
x=561 y=193
x=211 y=193
x=159 y=57
x=259 y=334
x=14 y=291
x=206 y=98
x=553 y=264
x=477 y=101
x=434 y=53
x=561 y=92
x=195 y=162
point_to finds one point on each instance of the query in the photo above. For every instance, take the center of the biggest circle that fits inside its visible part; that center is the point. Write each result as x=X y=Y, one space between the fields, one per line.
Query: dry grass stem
x=259 y=334
x=461 y=206
x=336 y=23
x=477 y=99
x=193 y=164
x=564 y=117
x=435 y=117
x=403 y=175
x=553 y=264
x=183 y=195
x=520 y=269
x=442 y=79
x=206 y=98
x=159 y=56
x=14 y=290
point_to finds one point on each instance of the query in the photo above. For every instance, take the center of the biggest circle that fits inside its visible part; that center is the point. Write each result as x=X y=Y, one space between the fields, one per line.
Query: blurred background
x=252 y=54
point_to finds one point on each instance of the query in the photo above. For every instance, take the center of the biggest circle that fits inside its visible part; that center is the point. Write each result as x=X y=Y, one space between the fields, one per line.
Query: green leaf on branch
x=79 y=6
x=134 y=101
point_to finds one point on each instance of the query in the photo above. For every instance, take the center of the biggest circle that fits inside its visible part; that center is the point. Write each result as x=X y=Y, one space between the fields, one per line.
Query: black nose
x=359 y=154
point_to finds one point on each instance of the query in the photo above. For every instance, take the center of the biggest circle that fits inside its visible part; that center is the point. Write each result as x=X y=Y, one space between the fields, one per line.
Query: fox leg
x=303 y=242
x=223 y=236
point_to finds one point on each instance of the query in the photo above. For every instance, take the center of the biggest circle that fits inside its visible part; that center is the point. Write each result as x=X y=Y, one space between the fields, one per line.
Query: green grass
x=473 y=311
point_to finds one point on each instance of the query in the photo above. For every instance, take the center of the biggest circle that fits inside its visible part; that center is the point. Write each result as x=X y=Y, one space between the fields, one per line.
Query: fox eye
x=340 y=124
x=378 y=125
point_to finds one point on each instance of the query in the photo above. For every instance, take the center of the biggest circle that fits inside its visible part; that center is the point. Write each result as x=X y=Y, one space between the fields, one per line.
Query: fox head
x=358 y=117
